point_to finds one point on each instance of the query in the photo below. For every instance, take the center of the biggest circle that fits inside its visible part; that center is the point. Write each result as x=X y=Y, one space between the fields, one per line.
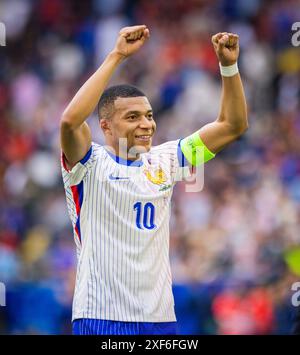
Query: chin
x=140 y=148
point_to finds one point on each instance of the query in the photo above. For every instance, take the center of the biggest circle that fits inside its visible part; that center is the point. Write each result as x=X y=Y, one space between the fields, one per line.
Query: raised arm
x=75 y=133
x=232 y=120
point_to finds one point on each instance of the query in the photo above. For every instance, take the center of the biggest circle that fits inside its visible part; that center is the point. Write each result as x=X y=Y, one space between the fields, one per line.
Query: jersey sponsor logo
x=111 y=177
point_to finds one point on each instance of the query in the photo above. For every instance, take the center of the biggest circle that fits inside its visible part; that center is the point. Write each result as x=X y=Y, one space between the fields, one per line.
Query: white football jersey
x=120 y=215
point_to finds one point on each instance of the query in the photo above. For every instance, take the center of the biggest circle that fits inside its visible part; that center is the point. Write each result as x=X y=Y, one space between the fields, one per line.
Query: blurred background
x=235 y=246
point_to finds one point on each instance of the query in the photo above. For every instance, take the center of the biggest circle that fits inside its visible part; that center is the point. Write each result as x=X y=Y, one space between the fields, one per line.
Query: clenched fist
x=131 y=39
x=226 y=46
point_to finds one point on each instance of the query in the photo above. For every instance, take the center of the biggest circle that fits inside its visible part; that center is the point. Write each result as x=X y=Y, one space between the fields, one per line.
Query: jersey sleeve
x=195 y=151
x=75 y=175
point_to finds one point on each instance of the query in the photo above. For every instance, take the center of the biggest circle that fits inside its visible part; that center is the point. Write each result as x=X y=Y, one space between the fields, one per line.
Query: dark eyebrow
x=136 y=112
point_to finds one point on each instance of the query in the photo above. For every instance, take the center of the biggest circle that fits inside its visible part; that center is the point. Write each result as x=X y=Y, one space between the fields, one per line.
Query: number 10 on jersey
x=145 y=215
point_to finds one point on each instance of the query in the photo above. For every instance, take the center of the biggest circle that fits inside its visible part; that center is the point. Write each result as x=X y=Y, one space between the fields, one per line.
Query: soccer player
x=118 y=195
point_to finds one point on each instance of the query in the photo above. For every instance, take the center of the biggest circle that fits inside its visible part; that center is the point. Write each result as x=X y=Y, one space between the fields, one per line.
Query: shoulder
x=97 y=148
x=96 y=151
x=166 y=148
x=165 y=153
x=87 y=163
x=170 y=151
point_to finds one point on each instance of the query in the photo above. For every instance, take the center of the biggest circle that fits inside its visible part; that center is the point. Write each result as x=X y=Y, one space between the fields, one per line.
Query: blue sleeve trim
x=181 y=158
x=87 y=156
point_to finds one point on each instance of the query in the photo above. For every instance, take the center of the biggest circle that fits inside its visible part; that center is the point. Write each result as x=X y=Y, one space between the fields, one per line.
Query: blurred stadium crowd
x=235 y=245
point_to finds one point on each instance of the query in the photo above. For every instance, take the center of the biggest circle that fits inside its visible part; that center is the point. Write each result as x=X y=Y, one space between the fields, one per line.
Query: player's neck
x=123 y=153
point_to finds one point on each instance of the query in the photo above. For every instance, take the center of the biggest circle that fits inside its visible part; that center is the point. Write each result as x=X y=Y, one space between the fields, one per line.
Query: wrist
x=229 y=70
x=117 y=56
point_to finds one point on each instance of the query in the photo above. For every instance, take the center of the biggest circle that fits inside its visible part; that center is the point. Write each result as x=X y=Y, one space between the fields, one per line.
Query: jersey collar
x=122 y=161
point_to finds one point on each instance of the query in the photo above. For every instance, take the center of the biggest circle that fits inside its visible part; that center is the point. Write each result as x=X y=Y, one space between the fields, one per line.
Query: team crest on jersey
x=157 y=178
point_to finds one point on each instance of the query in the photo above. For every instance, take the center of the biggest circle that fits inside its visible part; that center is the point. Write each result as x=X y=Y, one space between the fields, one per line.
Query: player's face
x=133 y=120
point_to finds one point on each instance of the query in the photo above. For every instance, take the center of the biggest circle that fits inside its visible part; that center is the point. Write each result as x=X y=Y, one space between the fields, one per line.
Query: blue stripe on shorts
x=85 y=326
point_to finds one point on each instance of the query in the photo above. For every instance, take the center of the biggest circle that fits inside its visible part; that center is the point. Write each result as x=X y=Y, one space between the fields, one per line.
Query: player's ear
x=105 y=125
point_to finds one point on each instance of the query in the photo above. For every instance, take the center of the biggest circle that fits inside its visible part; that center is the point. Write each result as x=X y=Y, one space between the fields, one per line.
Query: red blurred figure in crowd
x=242 y=312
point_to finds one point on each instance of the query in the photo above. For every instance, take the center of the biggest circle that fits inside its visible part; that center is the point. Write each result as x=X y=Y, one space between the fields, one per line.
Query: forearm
x=233 y=106
x=86 y=99
x=232 y=120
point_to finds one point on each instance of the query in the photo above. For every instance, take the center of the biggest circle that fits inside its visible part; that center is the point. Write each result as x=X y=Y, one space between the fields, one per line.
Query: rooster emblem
x=158 y=178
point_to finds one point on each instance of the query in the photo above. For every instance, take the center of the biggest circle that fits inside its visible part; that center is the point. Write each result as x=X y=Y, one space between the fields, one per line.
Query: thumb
x=146 y=33
x=222 y=42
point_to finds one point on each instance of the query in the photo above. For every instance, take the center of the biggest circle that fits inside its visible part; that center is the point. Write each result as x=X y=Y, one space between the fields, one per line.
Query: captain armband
x=195 y=150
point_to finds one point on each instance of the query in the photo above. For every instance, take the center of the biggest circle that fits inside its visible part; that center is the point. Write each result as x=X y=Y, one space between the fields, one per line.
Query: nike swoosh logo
x=111 y=177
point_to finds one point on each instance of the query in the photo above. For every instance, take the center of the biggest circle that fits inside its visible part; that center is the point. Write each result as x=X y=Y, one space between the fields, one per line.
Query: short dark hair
x=106 y=102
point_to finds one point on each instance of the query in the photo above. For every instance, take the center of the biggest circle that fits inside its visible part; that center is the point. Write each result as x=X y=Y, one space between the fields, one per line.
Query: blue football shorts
x=86 y=326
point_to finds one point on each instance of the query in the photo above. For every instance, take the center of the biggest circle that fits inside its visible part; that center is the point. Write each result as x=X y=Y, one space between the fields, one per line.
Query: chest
x=145 y=182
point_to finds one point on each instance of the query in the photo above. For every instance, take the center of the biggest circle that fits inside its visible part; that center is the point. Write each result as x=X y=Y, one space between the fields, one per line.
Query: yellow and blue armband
x=195 y=150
